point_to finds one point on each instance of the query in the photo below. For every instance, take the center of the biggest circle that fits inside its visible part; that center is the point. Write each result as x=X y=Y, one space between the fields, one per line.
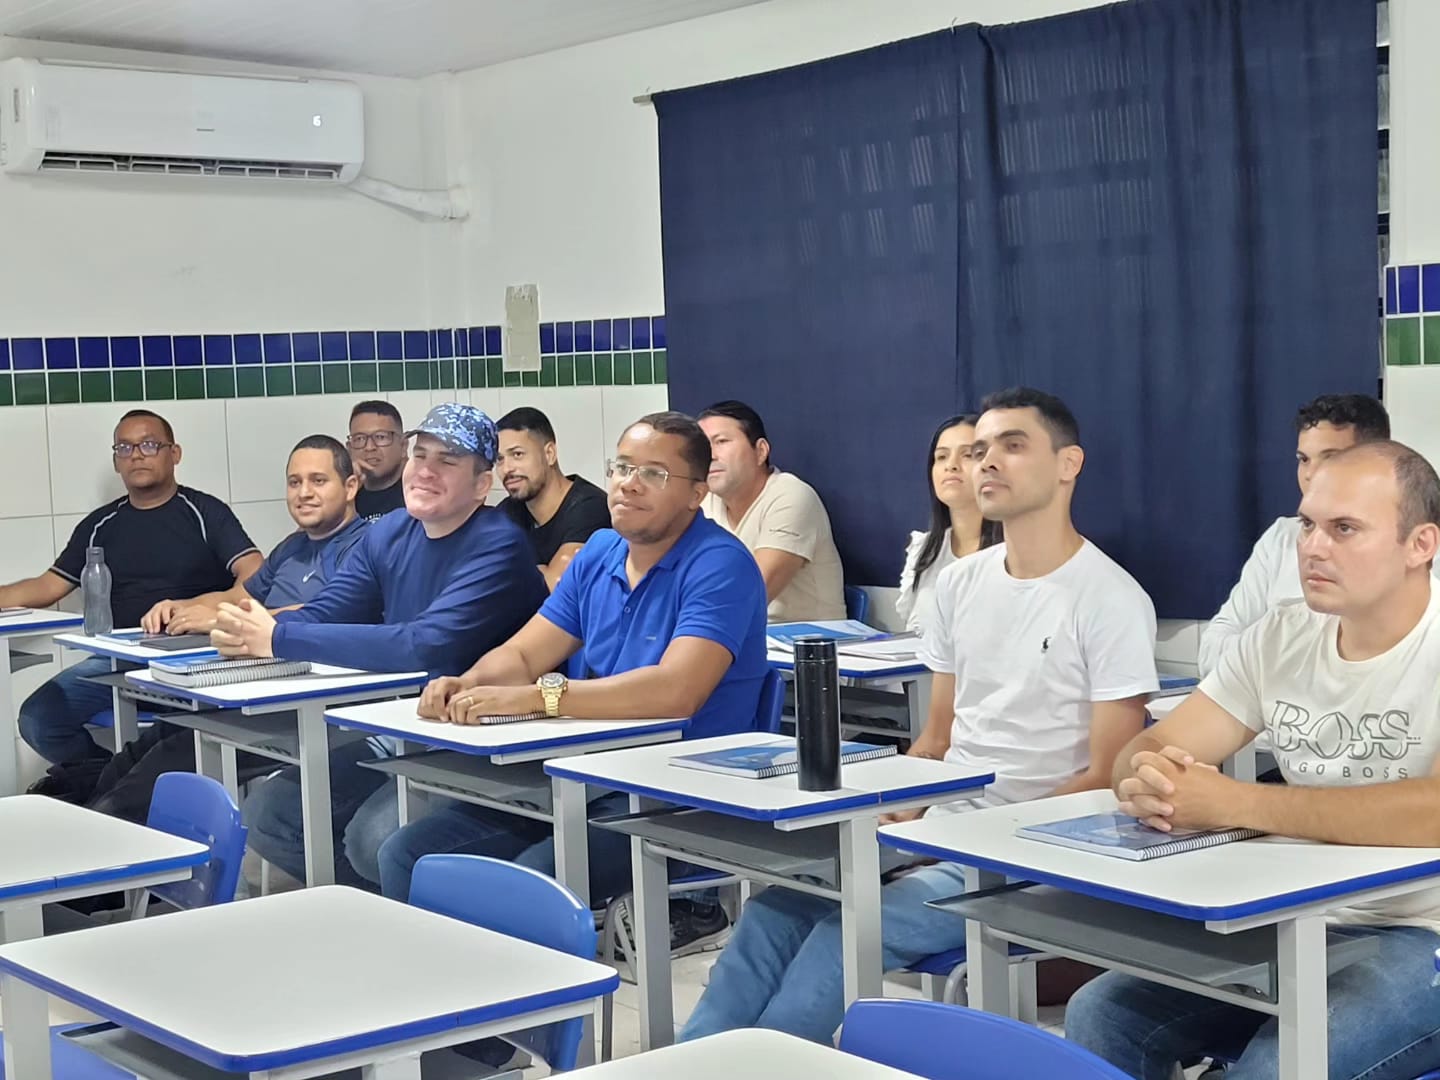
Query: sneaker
x=696 y=927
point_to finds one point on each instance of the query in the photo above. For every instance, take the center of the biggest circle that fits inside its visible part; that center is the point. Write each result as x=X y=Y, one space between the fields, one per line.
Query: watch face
x=552 y=681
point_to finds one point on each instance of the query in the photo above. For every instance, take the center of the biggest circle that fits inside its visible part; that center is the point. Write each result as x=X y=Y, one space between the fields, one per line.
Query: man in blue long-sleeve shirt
x=429 y=590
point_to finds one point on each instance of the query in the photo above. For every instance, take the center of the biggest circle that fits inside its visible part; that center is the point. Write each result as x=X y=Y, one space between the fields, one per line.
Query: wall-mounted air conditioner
x=73 y=118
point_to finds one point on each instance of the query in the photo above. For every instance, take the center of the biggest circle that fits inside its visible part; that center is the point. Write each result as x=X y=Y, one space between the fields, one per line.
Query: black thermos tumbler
x=817 y=714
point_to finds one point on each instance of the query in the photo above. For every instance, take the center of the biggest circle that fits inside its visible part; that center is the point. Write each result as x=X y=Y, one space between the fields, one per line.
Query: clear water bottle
x=95 y=588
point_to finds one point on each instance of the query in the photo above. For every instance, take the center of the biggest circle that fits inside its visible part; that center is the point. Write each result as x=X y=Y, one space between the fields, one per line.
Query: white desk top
x=854 y=667
x=342 y=970
x=866 y=784
x=38 y=622
x=120 y=650
x=1231 y=881
x=323 y=681
x=398 y=718
x=47 y=845
x=746 y=1052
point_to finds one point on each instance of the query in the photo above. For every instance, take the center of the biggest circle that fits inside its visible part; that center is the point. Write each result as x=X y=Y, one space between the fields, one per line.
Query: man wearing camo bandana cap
x=463 y=428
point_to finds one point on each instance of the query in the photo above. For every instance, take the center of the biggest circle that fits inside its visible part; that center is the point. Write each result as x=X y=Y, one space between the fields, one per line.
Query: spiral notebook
x=770 y=759
x=1123 y=837
x=214 y=670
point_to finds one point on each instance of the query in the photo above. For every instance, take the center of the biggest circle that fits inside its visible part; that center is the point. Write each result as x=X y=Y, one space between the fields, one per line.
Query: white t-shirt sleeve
x=1249 y=600
x=1234 y=684
x=905 y=602
x=937 y=649
x=1118 y=628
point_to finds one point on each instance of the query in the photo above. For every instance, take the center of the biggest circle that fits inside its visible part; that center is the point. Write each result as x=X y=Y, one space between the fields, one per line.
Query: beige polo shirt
x=789 y=516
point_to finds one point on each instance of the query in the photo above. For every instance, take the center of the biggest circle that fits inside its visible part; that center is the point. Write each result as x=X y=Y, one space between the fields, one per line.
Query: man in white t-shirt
x=1346 y=685
x=1043 y=658
x=775 y=514
x=1324 y=427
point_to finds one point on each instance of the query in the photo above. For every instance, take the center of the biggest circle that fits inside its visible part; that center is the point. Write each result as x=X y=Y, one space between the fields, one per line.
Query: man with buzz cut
x=161 y=539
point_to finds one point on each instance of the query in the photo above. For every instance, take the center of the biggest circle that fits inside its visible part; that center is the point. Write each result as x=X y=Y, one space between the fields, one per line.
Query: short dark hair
x=748 y=419
x=378 y=408
x=1055 y=415
x=1360 y=411
x=527 y=419
x=146 y=414
x=1415 y=481
x=343 y=465
x=695 y=447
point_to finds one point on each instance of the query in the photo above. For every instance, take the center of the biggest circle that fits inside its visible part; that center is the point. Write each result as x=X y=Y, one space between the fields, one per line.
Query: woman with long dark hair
x=956 y=527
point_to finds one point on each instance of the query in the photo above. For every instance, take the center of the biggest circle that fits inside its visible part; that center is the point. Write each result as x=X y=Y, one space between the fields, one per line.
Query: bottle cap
x=814 y=648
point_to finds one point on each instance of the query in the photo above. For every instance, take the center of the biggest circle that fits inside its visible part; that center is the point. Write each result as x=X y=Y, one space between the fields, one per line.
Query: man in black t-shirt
x=378 y=444
x=558 y=512
x=160 y=540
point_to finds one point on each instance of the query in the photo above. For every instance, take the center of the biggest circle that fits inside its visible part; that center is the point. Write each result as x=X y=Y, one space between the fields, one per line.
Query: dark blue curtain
x=1162 y=210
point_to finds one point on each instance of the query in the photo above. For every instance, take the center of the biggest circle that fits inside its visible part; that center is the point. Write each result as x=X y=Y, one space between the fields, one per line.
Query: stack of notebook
x=211 y=669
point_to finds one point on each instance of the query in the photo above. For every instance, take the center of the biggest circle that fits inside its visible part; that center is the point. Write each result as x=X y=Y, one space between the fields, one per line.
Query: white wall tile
x=25 y=491
x=623 y=405
x=413 y=405
x=261 y=431
x=267 y=522
x=488 y=401
x=26 y=547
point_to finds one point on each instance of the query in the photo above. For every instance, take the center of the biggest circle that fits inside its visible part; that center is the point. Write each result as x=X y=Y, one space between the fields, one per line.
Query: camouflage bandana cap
x=461 y=427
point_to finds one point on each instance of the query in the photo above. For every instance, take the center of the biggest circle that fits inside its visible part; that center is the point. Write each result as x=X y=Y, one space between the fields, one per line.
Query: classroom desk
x=748 y=1052
x=262 y=717
x=295 y=985
x=758 y=829
x=1271 y=882
x=52 y=851
x=499 y=765
x=20 y=631
x=122 y=655
x=868 y=677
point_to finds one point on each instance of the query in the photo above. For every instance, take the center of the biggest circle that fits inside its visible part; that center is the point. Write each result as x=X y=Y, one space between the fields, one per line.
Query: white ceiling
x=407 y=38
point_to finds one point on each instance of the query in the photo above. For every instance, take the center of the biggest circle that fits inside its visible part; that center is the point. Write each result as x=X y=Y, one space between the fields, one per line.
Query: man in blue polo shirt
x=666 y=610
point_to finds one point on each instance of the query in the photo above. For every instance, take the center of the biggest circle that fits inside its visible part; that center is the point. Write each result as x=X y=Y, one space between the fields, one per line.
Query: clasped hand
x=1169 y=789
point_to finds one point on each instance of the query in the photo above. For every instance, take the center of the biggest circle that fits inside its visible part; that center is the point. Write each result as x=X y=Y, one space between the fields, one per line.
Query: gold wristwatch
x=552 y=686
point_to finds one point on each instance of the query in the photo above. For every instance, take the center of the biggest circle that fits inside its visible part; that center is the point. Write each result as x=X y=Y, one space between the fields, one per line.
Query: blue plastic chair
x=950 y=1042
x=950 y=965
x=71 y=1062
x=857 y=603
x=200 y=809
x=521 y=903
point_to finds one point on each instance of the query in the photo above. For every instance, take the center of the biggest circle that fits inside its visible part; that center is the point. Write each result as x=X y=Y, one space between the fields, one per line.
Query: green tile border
x=1402 y=341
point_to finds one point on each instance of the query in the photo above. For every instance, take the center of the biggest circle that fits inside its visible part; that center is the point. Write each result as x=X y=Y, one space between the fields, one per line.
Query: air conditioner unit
x=73 y=118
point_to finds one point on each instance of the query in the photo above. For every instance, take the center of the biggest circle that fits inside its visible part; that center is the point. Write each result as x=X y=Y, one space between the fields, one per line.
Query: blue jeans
x=362 y=813
x=1384 y=1019
x=458 y=827
x=783 y=970
x=53 y=718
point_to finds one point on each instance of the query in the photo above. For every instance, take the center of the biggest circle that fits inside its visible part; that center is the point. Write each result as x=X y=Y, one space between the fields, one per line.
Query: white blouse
x=917 y=606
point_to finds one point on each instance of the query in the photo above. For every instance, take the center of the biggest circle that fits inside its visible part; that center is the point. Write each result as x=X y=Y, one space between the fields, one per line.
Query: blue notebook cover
x=1124 y=837
x=774 y=759
x=784 y=635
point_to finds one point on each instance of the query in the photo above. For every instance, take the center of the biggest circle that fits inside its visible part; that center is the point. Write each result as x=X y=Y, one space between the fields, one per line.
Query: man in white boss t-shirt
x=1323 y=428
x=1043 y=658
x=1346 y=686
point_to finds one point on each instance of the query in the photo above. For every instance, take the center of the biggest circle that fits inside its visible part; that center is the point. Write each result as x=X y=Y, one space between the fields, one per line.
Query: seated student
x=1043 y=654
x=379 y=447
x=668 y=612
x=161 y=539
x=956 y=528
x=558 y=512
x=320 y=495
x=1345 y=685
x=775 y=514
x=1324 y=427
x=427 y=590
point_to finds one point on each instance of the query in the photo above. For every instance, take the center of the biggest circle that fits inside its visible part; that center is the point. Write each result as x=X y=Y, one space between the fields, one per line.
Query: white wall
x=1412 y=394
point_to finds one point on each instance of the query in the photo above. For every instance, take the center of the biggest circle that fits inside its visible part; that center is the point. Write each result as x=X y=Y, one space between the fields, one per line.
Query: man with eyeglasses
x=379 y=450
x=160 y=540
x=666 y=611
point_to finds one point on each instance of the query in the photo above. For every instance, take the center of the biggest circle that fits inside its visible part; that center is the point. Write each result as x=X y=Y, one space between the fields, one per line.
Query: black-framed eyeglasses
x=377 y=439
x=148 y=448
x=652 y=476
